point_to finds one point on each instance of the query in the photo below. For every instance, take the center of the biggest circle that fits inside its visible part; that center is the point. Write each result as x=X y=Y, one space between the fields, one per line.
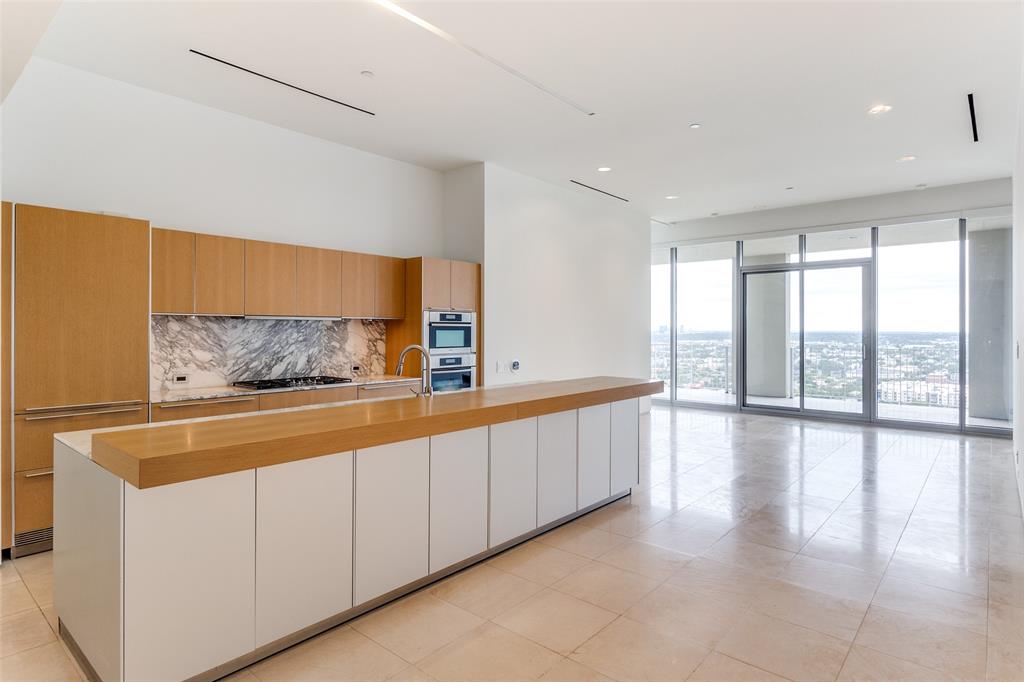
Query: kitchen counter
x=178 y=546
x=170 y=395
x=162 y=454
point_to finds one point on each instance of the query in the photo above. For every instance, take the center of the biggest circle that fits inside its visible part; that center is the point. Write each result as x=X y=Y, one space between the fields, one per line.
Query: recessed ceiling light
x=713 y=215
x=790 y=187
x=921 y=186
x=603 y=169
x=906 y=157
x=758 y=207
x=879 y=109
x=366 y=74
x=671 y=196
x=694 y=126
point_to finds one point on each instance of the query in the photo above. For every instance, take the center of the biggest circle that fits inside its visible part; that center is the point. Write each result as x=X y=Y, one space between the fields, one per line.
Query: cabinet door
x=220 y=278
x=316 y=396
x=269 y=278
x=174 y=270
x=625 y=444
x=437 y=284
x=389 y=293
x=392 y=509
x=33 y=500
x=465 y=285
x=81 y=328
x=513 y=480
x=594 y=454
x=318 y=282
x=303 y=540
x=191 y=409
x=556 y=466
x=33 y=433
x=358 y=284
x=189 y=576
x=458 y=496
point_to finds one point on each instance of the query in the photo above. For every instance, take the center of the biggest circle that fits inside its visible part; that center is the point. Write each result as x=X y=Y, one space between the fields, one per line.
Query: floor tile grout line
x=875 y=593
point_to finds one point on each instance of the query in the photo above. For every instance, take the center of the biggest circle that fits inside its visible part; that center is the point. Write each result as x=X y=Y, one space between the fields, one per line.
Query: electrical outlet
x=515 y=365
x=180 y=379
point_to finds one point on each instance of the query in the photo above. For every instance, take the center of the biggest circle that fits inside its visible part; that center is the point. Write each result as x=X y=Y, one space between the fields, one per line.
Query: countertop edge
x=243 y=454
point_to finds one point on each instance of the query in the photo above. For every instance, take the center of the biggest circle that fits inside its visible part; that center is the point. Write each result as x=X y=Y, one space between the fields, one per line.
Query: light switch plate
x=179 y=379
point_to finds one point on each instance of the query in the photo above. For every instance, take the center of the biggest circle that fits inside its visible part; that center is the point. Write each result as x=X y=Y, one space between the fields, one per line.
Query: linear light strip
x=614 y=196
x=280 y=82
x=441 y=33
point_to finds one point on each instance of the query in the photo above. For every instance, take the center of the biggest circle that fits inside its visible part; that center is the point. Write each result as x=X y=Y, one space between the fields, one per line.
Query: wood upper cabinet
x=358 y=284
x=220 y=279
x=465 y=285
x=389 y=294
x=437 y=284
x=450 y=284
x=318 y=282
x=269 y=278
x=81 y=308
x=174 y=271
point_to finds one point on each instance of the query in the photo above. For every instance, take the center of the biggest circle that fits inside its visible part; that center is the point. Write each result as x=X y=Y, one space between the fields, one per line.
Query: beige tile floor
x=757 y=548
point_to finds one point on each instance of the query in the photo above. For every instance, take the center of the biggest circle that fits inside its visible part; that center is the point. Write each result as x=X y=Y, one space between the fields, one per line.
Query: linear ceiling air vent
x=613 y=196
x=974 y=119
x=281 y=82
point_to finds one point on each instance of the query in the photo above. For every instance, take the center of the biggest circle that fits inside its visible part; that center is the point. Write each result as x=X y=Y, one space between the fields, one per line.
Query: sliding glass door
x=908 y=324
x=804 y=339
x=772 y=339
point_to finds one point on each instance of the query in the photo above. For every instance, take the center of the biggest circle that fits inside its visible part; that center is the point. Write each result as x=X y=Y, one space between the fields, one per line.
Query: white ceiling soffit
x=781 y=89
x=22 y=24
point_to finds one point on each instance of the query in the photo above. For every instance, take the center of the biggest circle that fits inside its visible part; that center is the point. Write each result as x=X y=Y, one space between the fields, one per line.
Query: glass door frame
x=870 y=362
x=868 y=336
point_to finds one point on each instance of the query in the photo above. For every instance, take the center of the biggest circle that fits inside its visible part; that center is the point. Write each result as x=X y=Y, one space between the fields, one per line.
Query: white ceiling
x=781 y=88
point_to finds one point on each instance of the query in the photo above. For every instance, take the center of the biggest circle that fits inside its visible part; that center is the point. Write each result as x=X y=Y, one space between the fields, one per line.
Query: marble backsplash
x=216 y=351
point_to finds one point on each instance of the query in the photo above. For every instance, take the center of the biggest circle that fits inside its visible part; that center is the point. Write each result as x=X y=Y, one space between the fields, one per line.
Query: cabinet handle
x=186 y=403
x=80 y=414
x=37 y=474
x=82 y=405
x=377 y=387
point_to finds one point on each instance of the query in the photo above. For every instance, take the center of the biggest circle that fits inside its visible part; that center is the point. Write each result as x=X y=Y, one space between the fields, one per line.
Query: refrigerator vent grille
x=33 y=536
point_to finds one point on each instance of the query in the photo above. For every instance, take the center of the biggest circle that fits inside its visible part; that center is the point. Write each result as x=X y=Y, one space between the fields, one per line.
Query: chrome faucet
x=425 y=382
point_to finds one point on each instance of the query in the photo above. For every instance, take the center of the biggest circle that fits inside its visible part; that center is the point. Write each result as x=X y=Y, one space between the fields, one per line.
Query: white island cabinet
x=625 y=444
x=594 y=482
x=392 y=512
x=186 y=551
x=189 y=584
x=513 y=479
x=303 y=544
x=458 y=496
x=556 y=466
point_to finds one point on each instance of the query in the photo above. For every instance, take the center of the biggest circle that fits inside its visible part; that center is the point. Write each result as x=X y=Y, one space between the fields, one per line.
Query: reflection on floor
x=928 y=414
x=757 y=547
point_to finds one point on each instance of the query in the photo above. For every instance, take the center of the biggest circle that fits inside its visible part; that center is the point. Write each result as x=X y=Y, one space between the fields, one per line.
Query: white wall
x=464 y=213
x=567 y=281
x=72 y=139
x=855 y=212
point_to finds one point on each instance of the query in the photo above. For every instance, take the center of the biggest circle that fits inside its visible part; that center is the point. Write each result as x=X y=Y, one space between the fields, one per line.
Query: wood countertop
x=155 y=456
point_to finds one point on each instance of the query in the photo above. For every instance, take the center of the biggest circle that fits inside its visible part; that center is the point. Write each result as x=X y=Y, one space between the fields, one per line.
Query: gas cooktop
x=291 y=382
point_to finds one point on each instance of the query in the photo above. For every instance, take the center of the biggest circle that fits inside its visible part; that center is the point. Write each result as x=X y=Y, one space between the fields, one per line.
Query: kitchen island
x=190 y=549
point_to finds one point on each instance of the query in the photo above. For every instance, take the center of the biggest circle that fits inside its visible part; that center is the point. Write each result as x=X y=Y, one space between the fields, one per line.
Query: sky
x=917 y=292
